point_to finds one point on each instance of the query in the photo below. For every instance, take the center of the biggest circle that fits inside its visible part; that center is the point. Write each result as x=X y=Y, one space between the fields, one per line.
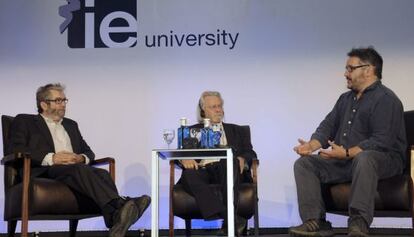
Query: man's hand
x=67 y=158
x=189 y=164
x=242 y=161
x=304 y=148
x=335 y=152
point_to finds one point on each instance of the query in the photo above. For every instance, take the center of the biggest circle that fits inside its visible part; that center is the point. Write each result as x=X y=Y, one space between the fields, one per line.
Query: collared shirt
x=375 y=121
x=61 y=140
x=223 y=142
x=223 y=139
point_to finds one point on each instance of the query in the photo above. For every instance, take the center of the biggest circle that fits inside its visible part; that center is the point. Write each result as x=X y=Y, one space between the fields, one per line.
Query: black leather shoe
x=240 y=225
x=126 y=216
x=142 y=203
x=223 y=230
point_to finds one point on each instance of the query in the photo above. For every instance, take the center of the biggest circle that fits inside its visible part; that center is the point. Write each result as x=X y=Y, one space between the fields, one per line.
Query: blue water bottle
x=183 y=132
x=216 y=135
x=211 y=138
x=205 y=134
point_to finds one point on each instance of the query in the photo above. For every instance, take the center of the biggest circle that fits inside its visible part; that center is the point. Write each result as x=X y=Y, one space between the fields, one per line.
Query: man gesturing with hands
x=361 y=140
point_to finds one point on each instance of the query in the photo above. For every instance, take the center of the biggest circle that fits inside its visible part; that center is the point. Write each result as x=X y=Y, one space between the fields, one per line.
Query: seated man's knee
x=364 y=159
x=87 y=169
x=189 y=173
x=80 y=166
x=301 y=163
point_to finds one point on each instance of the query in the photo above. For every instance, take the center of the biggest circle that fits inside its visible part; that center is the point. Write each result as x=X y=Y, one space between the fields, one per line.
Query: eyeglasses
x=59 y=100
x=215 y=107
x=350 y=68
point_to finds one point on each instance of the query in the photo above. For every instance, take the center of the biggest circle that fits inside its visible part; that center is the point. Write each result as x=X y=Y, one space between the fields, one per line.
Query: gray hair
x=201 y=102
x=43 y=93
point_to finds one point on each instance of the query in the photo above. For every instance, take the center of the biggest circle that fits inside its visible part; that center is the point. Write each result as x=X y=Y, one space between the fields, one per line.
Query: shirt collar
x=218 y=125
x=372 y=87
x=51 y=121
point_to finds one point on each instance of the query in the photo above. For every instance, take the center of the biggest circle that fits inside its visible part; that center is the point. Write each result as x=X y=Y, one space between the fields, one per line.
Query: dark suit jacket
x=29 y=133
x=237 y=140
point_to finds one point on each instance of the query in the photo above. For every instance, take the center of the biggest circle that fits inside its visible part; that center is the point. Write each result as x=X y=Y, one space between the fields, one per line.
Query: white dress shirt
x=61 y=140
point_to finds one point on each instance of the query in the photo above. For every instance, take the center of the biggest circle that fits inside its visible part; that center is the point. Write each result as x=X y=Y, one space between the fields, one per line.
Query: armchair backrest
x=6 y=122
x=10 y=171
x=247 y=174
x=409 y=130
x=246 y=130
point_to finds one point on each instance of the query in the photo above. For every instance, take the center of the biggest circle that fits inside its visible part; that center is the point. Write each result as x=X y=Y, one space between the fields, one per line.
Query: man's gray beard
x=55 y=113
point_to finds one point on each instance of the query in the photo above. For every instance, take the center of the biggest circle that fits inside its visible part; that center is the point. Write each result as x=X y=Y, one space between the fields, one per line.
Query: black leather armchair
x=184 y=205
x=394 y=197
x=28 y=198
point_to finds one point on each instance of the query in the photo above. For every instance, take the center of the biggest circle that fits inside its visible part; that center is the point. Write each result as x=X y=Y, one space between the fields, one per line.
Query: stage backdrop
x=133 y=68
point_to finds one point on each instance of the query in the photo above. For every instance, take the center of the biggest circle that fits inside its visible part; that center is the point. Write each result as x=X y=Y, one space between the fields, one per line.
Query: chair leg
x=25 y=197
x=24 y=225
x=256 y=215
x=170 y=213
x=171 y=225
x=73 y=225
x=11 y=228
x=187 y=227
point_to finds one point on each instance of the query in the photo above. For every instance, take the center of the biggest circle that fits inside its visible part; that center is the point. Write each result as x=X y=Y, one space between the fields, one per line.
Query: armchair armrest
x=255 y=164
x=13 y=158
x=106 y=161
x=10 y=161
x=103 y=161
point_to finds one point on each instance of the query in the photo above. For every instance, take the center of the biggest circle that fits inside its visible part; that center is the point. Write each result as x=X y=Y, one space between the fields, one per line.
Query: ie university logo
x=100 y=23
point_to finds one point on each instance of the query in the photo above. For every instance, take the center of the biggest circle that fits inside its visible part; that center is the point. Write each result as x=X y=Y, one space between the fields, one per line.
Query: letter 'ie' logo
x=100 y=23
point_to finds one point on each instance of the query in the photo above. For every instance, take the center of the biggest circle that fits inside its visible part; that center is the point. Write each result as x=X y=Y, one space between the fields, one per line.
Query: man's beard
x=218 y=118
x=349 y=84
x=56 y=113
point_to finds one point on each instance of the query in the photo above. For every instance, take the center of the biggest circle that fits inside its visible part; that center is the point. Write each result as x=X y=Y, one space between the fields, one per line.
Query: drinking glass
x=168 y=135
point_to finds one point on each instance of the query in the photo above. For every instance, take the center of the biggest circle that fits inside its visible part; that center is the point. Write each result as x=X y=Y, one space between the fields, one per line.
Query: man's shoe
x=357 y=227
x=142 y=203
x=223 y=230
x=240 y=225
x=319 y=228
x=127 y=215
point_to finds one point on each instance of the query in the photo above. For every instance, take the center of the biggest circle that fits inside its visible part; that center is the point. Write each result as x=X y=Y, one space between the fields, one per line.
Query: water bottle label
x=216 y=138
x=183 y=133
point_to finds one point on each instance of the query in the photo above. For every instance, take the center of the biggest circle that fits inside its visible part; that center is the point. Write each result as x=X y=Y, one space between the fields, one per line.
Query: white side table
x=182 y=154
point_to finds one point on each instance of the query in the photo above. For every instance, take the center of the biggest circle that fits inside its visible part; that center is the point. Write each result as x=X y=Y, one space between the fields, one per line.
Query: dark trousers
x=364 y=171
x=195 y=182
x=94 y=183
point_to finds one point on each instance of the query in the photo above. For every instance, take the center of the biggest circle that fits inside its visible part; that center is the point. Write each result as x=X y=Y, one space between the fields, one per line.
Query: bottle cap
x=206 y=122
x=183 y=121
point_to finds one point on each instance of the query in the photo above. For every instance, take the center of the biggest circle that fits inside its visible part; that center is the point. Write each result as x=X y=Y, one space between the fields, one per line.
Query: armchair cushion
x=47 y=197
x=336 y=196
x=185 y=206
